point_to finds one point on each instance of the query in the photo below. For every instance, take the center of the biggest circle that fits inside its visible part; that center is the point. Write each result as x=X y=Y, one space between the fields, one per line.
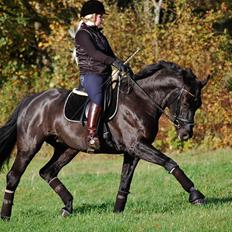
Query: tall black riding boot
x=92 y=123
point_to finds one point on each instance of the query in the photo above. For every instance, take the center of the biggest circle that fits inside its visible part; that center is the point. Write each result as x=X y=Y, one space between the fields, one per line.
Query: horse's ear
x=205 y=81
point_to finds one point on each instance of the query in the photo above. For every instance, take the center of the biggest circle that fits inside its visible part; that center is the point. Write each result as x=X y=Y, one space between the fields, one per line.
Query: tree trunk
x=157 y=5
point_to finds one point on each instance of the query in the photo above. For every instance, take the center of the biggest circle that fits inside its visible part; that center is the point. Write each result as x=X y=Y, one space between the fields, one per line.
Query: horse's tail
x=8 y=136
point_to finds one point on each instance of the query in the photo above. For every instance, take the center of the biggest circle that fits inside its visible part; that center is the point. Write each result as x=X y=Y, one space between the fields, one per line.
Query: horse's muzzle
x=185 y=133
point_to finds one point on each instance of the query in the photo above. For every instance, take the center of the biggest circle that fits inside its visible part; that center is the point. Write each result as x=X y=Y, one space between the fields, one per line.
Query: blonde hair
x=89 y=19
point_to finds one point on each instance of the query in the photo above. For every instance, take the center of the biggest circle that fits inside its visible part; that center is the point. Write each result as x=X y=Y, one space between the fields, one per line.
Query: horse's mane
x=153 y=68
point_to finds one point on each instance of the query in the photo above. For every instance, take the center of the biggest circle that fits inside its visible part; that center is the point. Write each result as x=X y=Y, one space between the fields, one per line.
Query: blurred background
x=36 y=53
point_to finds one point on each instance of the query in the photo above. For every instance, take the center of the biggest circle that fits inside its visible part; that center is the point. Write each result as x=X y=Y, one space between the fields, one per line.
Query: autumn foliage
x=36 y=51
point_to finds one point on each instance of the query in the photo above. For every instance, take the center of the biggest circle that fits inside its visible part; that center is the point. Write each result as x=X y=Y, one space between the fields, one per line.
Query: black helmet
x=92 y=7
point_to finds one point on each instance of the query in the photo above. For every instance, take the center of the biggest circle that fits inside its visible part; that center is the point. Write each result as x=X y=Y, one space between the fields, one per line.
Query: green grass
x=156 y=203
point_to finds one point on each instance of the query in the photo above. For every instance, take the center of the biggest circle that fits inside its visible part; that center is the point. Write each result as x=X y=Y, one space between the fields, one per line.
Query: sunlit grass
x=156 y=203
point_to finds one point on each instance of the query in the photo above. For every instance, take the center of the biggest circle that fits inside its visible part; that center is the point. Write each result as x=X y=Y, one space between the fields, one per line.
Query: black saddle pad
x=76 y=106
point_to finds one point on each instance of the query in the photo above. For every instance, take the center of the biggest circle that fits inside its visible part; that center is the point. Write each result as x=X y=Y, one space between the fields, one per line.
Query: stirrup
x=93 y=144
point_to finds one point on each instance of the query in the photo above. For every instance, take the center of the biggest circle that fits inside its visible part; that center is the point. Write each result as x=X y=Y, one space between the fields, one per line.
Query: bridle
x=176 y=119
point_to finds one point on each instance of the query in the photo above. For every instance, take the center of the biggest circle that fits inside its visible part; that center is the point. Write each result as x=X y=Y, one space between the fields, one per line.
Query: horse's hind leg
x=21 y=162
x=129 y=165
x=62 y=155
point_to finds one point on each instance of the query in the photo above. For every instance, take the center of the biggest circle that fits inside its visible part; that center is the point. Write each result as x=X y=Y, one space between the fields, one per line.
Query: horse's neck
x=153 y=92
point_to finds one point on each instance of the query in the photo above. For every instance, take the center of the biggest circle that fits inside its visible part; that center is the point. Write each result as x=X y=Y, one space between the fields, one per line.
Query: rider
x=95 y=58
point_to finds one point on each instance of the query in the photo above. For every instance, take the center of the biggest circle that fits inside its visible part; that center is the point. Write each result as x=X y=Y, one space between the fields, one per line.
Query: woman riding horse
x=95 y=58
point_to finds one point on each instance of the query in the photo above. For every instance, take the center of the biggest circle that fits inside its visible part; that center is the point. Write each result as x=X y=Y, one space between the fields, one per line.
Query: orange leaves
x=183 y=37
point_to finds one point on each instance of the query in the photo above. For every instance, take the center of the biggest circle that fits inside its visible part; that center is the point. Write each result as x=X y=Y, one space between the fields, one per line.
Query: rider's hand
x=121 y=66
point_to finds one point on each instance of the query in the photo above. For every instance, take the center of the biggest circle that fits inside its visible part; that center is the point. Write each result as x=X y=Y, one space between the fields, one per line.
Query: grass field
x=156 y=203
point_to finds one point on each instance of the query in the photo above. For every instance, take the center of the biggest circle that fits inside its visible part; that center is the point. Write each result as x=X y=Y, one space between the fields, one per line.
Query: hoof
x=199 y=202
x=197 y=198
x=65 y=213
x=5 y=218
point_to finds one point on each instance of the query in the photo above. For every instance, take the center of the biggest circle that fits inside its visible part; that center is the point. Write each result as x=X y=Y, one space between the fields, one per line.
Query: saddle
x=77 y=105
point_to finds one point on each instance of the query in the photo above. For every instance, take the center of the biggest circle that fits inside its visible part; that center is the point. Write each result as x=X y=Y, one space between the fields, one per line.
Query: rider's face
x=98 y=20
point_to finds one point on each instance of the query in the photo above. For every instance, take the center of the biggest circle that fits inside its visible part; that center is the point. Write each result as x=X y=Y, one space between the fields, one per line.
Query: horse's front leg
x=128 y=167
x=147 y=152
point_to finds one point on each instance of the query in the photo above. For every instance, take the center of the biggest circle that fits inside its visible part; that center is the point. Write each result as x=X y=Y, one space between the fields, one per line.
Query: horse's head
x=175 y=88
x=183 y=104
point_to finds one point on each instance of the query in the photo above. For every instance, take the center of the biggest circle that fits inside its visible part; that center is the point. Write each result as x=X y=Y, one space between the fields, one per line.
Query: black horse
x=39 y=118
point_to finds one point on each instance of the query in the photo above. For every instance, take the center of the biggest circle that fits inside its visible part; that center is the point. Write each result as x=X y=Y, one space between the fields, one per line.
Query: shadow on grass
x=218 y=201
x=136 y=207
x=99 y=208
x=146 y=206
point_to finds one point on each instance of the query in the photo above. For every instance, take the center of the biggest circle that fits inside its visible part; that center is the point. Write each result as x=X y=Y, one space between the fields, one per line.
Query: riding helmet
x=92 y=7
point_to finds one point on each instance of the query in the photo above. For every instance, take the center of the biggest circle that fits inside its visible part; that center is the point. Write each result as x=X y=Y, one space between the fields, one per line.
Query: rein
x=176 y=120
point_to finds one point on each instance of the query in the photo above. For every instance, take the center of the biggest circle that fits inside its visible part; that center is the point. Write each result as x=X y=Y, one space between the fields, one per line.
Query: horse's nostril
x=185 y=137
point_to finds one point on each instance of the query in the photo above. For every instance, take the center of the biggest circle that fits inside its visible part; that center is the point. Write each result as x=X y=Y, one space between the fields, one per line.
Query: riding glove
x=121 y=66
